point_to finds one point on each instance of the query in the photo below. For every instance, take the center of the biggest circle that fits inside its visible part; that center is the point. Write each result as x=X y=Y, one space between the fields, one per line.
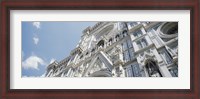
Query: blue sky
x=44 y=42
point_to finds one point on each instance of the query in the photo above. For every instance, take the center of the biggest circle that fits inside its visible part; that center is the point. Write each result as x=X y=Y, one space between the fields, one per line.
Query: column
x=158 y=57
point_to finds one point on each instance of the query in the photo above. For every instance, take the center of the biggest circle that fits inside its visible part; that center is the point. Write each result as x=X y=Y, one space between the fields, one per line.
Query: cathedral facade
x=122 y=49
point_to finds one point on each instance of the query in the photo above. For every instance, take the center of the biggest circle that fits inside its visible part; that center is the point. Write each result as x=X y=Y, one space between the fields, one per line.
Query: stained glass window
x=127 y=49
x=142 y=43
x=133 y=71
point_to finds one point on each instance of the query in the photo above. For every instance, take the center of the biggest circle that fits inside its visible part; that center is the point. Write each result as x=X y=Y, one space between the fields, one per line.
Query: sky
x=44 y=42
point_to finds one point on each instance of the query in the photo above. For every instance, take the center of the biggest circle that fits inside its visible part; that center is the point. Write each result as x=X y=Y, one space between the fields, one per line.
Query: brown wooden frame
x=7 y=5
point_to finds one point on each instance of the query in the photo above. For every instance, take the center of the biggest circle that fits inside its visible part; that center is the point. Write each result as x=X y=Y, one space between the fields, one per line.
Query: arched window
x=87 y=53
x=117 y=37
x=93 y=50
x=100 y=43
x=152 y=68
x=110 y=40
x=124 y=33
x=81 y=56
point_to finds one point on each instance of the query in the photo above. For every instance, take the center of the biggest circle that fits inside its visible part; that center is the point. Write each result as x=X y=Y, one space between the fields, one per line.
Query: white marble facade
x=122 y=49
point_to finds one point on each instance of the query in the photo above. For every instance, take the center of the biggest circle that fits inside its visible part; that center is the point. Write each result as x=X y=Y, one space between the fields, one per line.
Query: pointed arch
x=152 y=68
x=101 y=57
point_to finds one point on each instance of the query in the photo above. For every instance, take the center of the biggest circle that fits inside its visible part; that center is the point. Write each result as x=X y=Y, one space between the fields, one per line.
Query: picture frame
x=192 y=93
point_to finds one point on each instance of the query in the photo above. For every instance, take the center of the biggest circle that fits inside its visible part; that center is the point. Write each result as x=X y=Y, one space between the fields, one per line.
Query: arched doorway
x=152 y=68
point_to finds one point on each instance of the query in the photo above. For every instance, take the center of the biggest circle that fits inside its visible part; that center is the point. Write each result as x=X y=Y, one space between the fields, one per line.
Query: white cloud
x=33 y=62
x=52 y=60
x=36 y=40
x=36 y=24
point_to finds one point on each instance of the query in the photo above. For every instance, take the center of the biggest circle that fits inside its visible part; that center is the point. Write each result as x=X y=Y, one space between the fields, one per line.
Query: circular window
x=168 y=30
